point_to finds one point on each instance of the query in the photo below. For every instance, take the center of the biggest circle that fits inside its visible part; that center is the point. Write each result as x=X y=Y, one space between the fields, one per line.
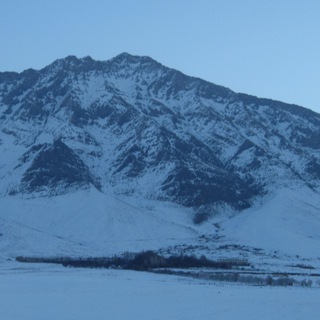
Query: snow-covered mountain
x=133 y=127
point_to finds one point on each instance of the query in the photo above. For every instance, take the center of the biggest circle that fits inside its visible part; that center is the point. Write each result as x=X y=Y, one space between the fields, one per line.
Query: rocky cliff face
x=130 y=125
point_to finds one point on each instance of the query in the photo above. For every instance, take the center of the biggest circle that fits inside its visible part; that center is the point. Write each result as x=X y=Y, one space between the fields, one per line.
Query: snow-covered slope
x=90 y=223
x=288 y=222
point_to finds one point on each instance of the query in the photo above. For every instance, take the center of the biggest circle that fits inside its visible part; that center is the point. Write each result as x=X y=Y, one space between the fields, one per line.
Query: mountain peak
x=72 y=63
x=133 y=59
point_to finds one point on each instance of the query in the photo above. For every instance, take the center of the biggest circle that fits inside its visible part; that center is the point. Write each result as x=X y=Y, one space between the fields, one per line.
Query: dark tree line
x=145 y=260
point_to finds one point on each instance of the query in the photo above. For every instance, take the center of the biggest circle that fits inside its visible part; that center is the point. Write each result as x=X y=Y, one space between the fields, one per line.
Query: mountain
x=131 y=127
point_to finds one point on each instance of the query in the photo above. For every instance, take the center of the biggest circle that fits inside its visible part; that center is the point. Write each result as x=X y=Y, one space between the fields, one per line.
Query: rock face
x=130 y=125
x=54 y=167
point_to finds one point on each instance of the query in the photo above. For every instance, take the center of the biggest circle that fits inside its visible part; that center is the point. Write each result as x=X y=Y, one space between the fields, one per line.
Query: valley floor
x=32 y=291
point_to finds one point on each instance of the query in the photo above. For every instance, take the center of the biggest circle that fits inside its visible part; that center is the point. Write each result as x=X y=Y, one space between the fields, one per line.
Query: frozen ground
x=41 y=292
x=280 y=236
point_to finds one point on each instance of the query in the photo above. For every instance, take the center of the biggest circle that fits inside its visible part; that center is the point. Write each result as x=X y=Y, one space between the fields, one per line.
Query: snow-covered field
x=41 y=292
x=280 y=236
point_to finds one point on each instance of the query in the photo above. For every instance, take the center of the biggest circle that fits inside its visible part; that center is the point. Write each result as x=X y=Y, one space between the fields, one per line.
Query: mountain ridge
x=124 y=55
x=169 y=136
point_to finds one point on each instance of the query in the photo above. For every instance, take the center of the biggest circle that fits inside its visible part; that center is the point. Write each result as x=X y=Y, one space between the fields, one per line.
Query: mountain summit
x=133 y=126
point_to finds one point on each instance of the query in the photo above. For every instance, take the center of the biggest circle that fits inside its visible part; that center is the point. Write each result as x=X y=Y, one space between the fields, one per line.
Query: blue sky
x=267 y=48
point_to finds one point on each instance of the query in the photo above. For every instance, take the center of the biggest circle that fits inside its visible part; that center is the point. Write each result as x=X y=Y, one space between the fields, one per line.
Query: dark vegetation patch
x=142 y=261
x=225 y=270
x=257 y=279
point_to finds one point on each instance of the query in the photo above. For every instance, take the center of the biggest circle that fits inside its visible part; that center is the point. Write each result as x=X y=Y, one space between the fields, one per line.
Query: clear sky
x=267 y=48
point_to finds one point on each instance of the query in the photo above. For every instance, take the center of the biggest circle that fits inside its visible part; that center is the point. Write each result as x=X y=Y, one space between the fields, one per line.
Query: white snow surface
x=288 y=222
x=91 y=223
x=51 y=292
x=88 y=222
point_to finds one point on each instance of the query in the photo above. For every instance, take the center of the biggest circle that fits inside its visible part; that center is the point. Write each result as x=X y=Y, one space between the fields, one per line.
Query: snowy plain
x=40 y=292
